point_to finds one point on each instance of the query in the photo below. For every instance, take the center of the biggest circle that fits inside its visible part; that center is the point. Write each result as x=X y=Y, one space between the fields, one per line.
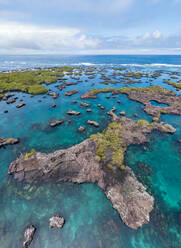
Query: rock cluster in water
x=145 y=95
x=98 y=159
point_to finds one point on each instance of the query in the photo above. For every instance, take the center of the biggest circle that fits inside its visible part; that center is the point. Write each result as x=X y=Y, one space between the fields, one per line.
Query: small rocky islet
x=100 y=158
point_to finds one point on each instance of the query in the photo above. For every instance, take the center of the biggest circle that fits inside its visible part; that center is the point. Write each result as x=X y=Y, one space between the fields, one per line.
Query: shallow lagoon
x=90 y=219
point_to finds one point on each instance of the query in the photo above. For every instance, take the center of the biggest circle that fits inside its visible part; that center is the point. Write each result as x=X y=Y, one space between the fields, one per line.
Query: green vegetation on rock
x=29 y=154
x=137 y=75
x=9 y=140
x=109 y=141
x=175 y=85
x=30 y=81
x=143 y=123
x=163 y=112
x=126 y=90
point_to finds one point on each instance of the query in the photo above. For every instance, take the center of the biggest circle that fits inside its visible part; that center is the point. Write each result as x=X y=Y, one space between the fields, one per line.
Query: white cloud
x=16 y=37
x=157 y=34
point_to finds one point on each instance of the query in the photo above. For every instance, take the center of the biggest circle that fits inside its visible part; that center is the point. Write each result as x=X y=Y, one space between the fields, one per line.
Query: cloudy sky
x=90 y=26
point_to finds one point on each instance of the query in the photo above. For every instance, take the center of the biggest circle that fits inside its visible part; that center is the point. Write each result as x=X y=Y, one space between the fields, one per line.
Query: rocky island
x=99 y=159
x=145 y=95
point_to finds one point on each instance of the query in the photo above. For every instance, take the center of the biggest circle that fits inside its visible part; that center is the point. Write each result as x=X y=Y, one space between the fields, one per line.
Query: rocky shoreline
x=99 y=159
x=144 y=96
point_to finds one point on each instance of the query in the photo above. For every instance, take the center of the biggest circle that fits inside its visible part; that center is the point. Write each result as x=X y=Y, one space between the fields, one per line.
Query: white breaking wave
x=167 y=65
x=152 y=65
x=84 y=63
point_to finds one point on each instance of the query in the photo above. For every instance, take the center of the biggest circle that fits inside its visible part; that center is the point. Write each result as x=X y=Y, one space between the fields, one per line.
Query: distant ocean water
x=11 y=62
x=91 y=222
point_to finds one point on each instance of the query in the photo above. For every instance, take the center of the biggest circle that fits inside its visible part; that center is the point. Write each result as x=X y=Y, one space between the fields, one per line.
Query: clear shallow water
x=90 y=219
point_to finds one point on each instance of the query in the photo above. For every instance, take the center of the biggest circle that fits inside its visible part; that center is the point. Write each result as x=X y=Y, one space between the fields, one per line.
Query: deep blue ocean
x=91 y=222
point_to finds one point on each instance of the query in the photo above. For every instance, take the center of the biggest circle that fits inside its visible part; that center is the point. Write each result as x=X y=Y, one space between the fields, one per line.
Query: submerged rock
x=56 y=221
x=28 y=236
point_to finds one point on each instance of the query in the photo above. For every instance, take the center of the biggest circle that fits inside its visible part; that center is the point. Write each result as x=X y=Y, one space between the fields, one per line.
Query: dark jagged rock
x=94 y=123
x=72 y=112
x=8 y=141
x=56 y=123
x=98 y=160
x=28 y=236
x=56 y=221
x=19 y=105
x=89 y=110
x=5 y=111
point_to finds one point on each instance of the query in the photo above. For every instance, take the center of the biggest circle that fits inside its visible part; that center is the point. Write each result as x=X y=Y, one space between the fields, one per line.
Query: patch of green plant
x=9 y=140
x=175 y=85
x=163 y=111
x=137 y=75
x=30 y=154
x=143 y=123
x=110 y=140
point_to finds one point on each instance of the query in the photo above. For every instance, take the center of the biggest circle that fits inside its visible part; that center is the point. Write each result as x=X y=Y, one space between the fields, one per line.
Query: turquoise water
x=91 y=222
